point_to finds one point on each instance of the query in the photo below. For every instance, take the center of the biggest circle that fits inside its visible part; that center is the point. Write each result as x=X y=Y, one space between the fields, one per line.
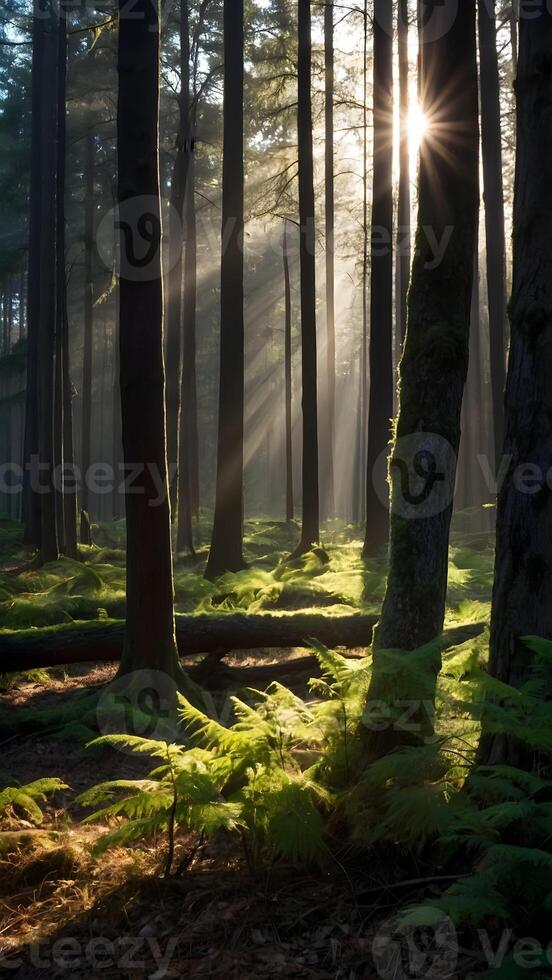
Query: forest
x=276 y=489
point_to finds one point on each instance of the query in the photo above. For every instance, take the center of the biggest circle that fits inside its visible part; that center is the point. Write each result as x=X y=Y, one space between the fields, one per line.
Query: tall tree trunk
x=226 y=552
x=435 y=359
x=329 y=495
x=381 y=286
x=287 y=379
x=310 y=531
x=522 y=596
x=31 y=499
x=117 y=504
x=47 y=289
x=87 y=352
x=493 y=195
x=150 y=633
x=174 y=305
x=188 y=486
x=21 y=324
x=403 y=210
x=359 y=485
x=61 y=291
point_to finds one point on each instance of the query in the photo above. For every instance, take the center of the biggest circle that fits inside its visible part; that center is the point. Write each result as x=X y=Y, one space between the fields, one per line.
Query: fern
x=25 y=800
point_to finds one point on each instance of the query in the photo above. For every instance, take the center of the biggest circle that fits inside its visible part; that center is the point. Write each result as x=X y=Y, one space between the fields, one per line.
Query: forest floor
x=67 y=914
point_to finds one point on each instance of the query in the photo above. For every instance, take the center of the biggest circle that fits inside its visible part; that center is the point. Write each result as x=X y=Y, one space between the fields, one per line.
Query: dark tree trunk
x=310 y=531
x=61 y=297
x=522 y=597
x=381 y=286
x=435 y=359
x=31 y=499
x=288 y=379
x=174 y=304
x=226 y=554
x=117 y=498
x=329 y=494
x=87 y=352
x=188 y=486
x=493 y=195
x=403 y=209
x=150 y=633
x=47 y=289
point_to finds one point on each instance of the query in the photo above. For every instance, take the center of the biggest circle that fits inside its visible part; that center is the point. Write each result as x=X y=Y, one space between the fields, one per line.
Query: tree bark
x=380 y=410
x=522 y=595
x=174 y=304
x=435 y=359
x=31 y=499
x=493 y=195
x=87 y=352
x=403 y=209
x=61 y=294
x=226 y=554
x=150 y=633
x=288 y=379
x=47 y=289
x=310 y=532
x=188 y=486
x=329 y=495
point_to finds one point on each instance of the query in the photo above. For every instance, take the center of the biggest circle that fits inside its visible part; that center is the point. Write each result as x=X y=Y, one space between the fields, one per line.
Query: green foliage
x=24 y=800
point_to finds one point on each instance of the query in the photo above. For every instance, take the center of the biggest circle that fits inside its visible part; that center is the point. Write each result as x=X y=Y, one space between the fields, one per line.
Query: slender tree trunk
x=522 y=596
x=403 y=210
x=226 y=552
x=381 y=286
x=61 y=290
x=47 y=289
x=435 y=359
x=287 y=379
x=330 y=246
x=174 y=305
x=150 y=633
x=87 y=353
x=31 y=499
x=188 y=488
x=493 y=195
x=363 y=372
x=21 y=324
x=310 y=532
x=117 y=502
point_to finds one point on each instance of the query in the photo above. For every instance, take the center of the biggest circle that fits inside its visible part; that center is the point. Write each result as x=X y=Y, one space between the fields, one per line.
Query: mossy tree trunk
x=522 y=597
x=226 y=554
x=435 y=359
x=310 y=531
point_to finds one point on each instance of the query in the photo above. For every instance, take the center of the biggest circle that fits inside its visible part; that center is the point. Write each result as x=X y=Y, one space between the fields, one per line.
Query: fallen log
x=214 y=636
x=103 y=641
